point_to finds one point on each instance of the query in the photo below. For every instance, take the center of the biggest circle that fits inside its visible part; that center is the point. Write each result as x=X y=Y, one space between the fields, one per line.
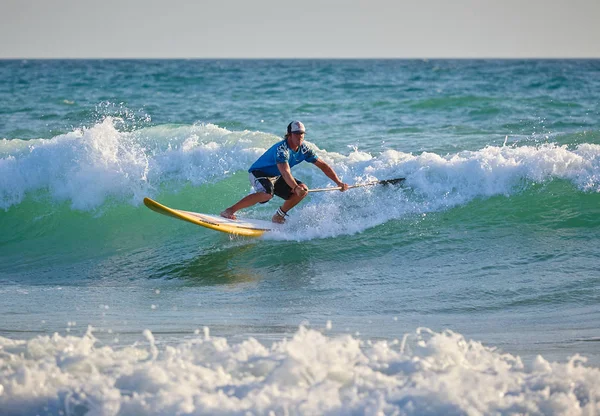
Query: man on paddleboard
x=271 y=174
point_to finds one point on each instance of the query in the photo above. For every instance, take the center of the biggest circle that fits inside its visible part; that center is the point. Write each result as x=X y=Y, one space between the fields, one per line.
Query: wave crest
x=87 y=167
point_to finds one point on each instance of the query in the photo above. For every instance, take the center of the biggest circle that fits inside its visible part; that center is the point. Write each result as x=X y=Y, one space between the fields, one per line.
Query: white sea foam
x=425 y=373
x=434 y=183
x=90 y=166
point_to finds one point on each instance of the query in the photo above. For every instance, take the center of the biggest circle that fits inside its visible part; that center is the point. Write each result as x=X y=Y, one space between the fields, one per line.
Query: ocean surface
x=471 y=289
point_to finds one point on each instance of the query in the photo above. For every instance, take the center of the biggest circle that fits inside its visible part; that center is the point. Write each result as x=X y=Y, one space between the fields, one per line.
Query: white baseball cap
x=296 y=127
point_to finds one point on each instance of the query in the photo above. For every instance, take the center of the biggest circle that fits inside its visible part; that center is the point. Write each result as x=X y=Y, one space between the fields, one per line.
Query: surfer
x=271 y=174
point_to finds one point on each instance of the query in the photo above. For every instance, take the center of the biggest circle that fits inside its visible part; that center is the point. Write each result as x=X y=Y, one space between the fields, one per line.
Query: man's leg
x=290 y=203
x=291 y=200
x=246 y=202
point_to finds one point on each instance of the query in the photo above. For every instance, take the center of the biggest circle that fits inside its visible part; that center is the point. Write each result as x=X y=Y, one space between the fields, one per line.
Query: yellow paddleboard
x=245 y=227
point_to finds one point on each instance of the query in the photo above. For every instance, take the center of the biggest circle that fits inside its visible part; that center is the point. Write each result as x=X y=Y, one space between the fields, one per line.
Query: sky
x=299 y=29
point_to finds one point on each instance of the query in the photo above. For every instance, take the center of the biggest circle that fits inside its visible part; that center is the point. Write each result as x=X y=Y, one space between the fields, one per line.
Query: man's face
x=297 y=138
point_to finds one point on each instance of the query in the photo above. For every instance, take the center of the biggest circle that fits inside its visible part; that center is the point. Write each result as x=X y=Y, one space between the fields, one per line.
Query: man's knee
x=297 y=197
x=265 y=197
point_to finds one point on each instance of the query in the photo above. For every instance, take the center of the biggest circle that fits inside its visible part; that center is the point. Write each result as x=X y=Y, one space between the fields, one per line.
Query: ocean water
x=472 y=289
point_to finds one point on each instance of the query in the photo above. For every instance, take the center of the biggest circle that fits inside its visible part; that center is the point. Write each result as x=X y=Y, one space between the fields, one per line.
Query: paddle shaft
x=360 y=185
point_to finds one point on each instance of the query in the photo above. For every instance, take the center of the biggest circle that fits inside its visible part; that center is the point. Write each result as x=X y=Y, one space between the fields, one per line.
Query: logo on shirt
x=283 y=152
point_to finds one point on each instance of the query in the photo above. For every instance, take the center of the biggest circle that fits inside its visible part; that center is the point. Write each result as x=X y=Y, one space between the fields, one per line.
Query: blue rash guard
x=280 y=153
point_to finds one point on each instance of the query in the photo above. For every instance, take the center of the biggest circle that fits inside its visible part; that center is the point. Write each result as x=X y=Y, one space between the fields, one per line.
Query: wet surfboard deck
x=244 y=227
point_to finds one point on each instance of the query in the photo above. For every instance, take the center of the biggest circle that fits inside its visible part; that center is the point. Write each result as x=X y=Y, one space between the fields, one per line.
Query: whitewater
x=422 y=373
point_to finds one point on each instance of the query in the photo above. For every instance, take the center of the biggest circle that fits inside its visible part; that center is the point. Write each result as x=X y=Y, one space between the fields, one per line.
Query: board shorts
x=274 y=185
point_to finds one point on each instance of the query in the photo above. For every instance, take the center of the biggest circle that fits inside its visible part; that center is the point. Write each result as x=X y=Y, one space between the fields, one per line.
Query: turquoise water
x=473 y=288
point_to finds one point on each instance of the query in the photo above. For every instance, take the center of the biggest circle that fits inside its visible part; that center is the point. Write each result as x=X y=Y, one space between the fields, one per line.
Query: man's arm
x=330 y=173
x=286 y=173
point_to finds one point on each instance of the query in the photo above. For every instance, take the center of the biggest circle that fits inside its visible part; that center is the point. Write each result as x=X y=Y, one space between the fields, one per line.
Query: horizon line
x=383 y=58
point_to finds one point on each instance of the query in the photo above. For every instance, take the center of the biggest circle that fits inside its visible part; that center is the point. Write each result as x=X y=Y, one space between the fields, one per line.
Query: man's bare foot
x=228 y=214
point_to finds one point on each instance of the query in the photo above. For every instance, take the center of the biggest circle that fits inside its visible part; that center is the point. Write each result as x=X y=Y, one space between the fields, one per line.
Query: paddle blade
x=392 y=181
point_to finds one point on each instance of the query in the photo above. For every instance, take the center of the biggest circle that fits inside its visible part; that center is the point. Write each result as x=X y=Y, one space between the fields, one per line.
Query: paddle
x=383 y=182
